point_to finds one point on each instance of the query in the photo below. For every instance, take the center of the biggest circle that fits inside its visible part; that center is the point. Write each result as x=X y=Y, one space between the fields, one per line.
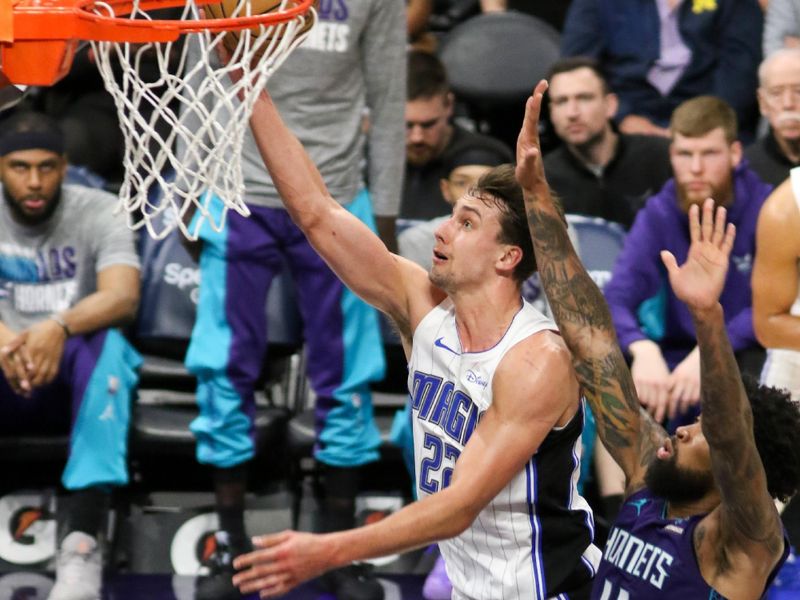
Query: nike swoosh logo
x=441 y=344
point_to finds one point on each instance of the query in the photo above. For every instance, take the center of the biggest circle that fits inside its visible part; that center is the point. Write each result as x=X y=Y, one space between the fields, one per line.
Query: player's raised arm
x=582 y=315
x=357 y=255
x=748 y=519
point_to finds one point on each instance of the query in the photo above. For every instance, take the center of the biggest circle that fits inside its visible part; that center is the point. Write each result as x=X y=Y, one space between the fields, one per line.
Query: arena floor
x=164 y=587
x=35 y=586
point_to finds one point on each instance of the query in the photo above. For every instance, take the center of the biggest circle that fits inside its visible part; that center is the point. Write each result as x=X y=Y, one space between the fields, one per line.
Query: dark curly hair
x=776 y=427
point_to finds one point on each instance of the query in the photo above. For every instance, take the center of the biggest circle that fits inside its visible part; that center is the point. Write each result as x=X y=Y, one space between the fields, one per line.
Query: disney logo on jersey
x=476 y=378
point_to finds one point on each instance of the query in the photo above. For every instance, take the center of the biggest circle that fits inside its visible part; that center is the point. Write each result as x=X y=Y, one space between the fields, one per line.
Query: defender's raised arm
x=701 y=498
x=748 y=529
x=582 y=315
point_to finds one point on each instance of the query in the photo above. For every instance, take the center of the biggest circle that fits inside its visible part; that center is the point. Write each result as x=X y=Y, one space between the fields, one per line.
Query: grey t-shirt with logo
x=51 y=267
x=353 y=59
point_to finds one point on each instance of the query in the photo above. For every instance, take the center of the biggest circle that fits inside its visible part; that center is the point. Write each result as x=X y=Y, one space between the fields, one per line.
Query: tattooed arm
x=746 y=527
x=582 y=315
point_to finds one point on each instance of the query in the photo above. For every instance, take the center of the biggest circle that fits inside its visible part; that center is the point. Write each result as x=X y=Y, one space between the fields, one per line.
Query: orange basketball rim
x=38 y=38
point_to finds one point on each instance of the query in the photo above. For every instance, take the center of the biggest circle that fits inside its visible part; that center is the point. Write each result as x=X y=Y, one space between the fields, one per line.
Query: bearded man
x=69 y=275
x=653 y=326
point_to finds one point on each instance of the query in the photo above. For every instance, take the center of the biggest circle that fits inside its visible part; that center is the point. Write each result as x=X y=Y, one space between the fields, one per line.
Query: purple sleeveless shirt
x=648 y=555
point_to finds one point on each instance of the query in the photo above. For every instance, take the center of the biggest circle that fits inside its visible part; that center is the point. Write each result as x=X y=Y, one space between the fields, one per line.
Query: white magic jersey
x=782 y=367
x=534 y=540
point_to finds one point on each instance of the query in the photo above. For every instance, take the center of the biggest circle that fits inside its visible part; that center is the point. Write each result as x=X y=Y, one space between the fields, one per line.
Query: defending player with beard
x=718 y=534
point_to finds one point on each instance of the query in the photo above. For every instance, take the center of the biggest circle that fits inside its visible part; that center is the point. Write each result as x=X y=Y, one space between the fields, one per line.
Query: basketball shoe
x=217 y=584
x=79 y=569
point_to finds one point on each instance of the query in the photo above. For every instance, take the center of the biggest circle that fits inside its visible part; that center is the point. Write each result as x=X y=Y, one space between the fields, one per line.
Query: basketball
x=228 y=8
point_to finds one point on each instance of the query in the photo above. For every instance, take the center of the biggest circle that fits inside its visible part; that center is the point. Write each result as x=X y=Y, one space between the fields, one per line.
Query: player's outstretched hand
x=280 y=562
x=530 y=170
x=699 y=281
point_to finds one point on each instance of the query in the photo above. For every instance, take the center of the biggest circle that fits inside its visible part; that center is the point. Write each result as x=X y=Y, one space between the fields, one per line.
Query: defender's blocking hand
x=700 y=280
x=530 y=170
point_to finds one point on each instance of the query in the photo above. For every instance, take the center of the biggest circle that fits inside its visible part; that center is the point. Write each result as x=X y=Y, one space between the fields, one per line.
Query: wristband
x=60 y=320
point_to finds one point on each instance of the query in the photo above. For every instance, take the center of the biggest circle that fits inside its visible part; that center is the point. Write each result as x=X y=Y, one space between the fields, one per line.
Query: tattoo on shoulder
x=585 y=322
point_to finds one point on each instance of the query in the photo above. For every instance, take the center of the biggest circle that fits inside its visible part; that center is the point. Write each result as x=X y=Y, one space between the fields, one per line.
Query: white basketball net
x=194 y=163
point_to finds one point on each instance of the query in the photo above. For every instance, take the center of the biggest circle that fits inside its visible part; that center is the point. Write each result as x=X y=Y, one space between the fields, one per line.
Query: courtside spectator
x=69 y=274
x=653 y=326
x=659 y=53
x=430 y=137
x=598 y=171
x=778 y=151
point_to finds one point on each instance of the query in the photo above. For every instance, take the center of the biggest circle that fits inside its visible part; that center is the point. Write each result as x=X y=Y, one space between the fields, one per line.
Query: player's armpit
x=422 y=296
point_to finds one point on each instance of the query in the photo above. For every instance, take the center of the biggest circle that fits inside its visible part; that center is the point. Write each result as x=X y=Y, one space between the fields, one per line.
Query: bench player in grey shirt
x=68 y=274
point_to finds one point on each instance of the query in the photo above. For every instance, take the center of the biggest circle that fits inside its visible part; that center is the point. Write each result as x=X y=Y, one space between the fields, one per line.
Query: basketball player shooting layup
x=699 y=520
x=496 y=406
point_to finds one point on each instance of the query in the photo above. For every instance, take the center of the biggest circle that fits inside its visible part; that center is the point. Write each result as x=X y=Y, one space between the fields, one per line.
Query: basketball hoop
x=196 y=159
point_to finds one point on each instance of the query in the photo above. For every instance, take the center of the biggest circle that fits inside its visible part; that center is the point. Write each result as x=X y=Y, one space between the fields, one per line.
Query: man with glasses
x=778 y=151
x=660 y=53
x=431 y=137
